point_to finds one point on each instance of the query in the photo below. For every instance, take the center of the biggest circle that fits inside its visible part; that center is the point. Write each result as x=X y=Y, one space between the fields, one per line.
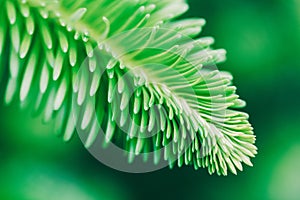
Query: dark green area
x=262 y=39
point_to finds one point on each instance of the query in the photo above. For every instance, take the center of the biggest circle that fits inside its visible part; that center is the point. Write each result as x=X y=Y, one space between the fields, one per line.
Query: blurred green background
x=262 y=39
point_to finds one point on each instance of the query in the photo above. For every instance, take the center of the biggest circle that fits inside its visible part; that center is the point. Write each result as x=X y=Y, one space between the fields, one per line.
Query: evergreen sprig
x=137 y=67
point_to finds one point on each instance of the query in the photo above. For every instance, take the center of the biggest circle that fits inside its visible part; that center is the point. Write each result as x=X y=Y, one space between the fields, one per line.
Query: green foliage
x=55 y=52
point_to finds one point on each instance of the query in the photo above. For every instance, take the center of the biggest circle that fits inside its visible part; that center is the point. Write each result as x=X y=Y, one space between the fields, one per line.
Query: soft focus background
x=262 y=39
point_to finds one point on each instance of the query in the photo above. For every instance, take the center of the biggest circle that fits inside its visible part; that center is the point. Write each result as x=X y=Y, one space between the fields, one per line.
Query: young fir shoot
x=149 y=78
